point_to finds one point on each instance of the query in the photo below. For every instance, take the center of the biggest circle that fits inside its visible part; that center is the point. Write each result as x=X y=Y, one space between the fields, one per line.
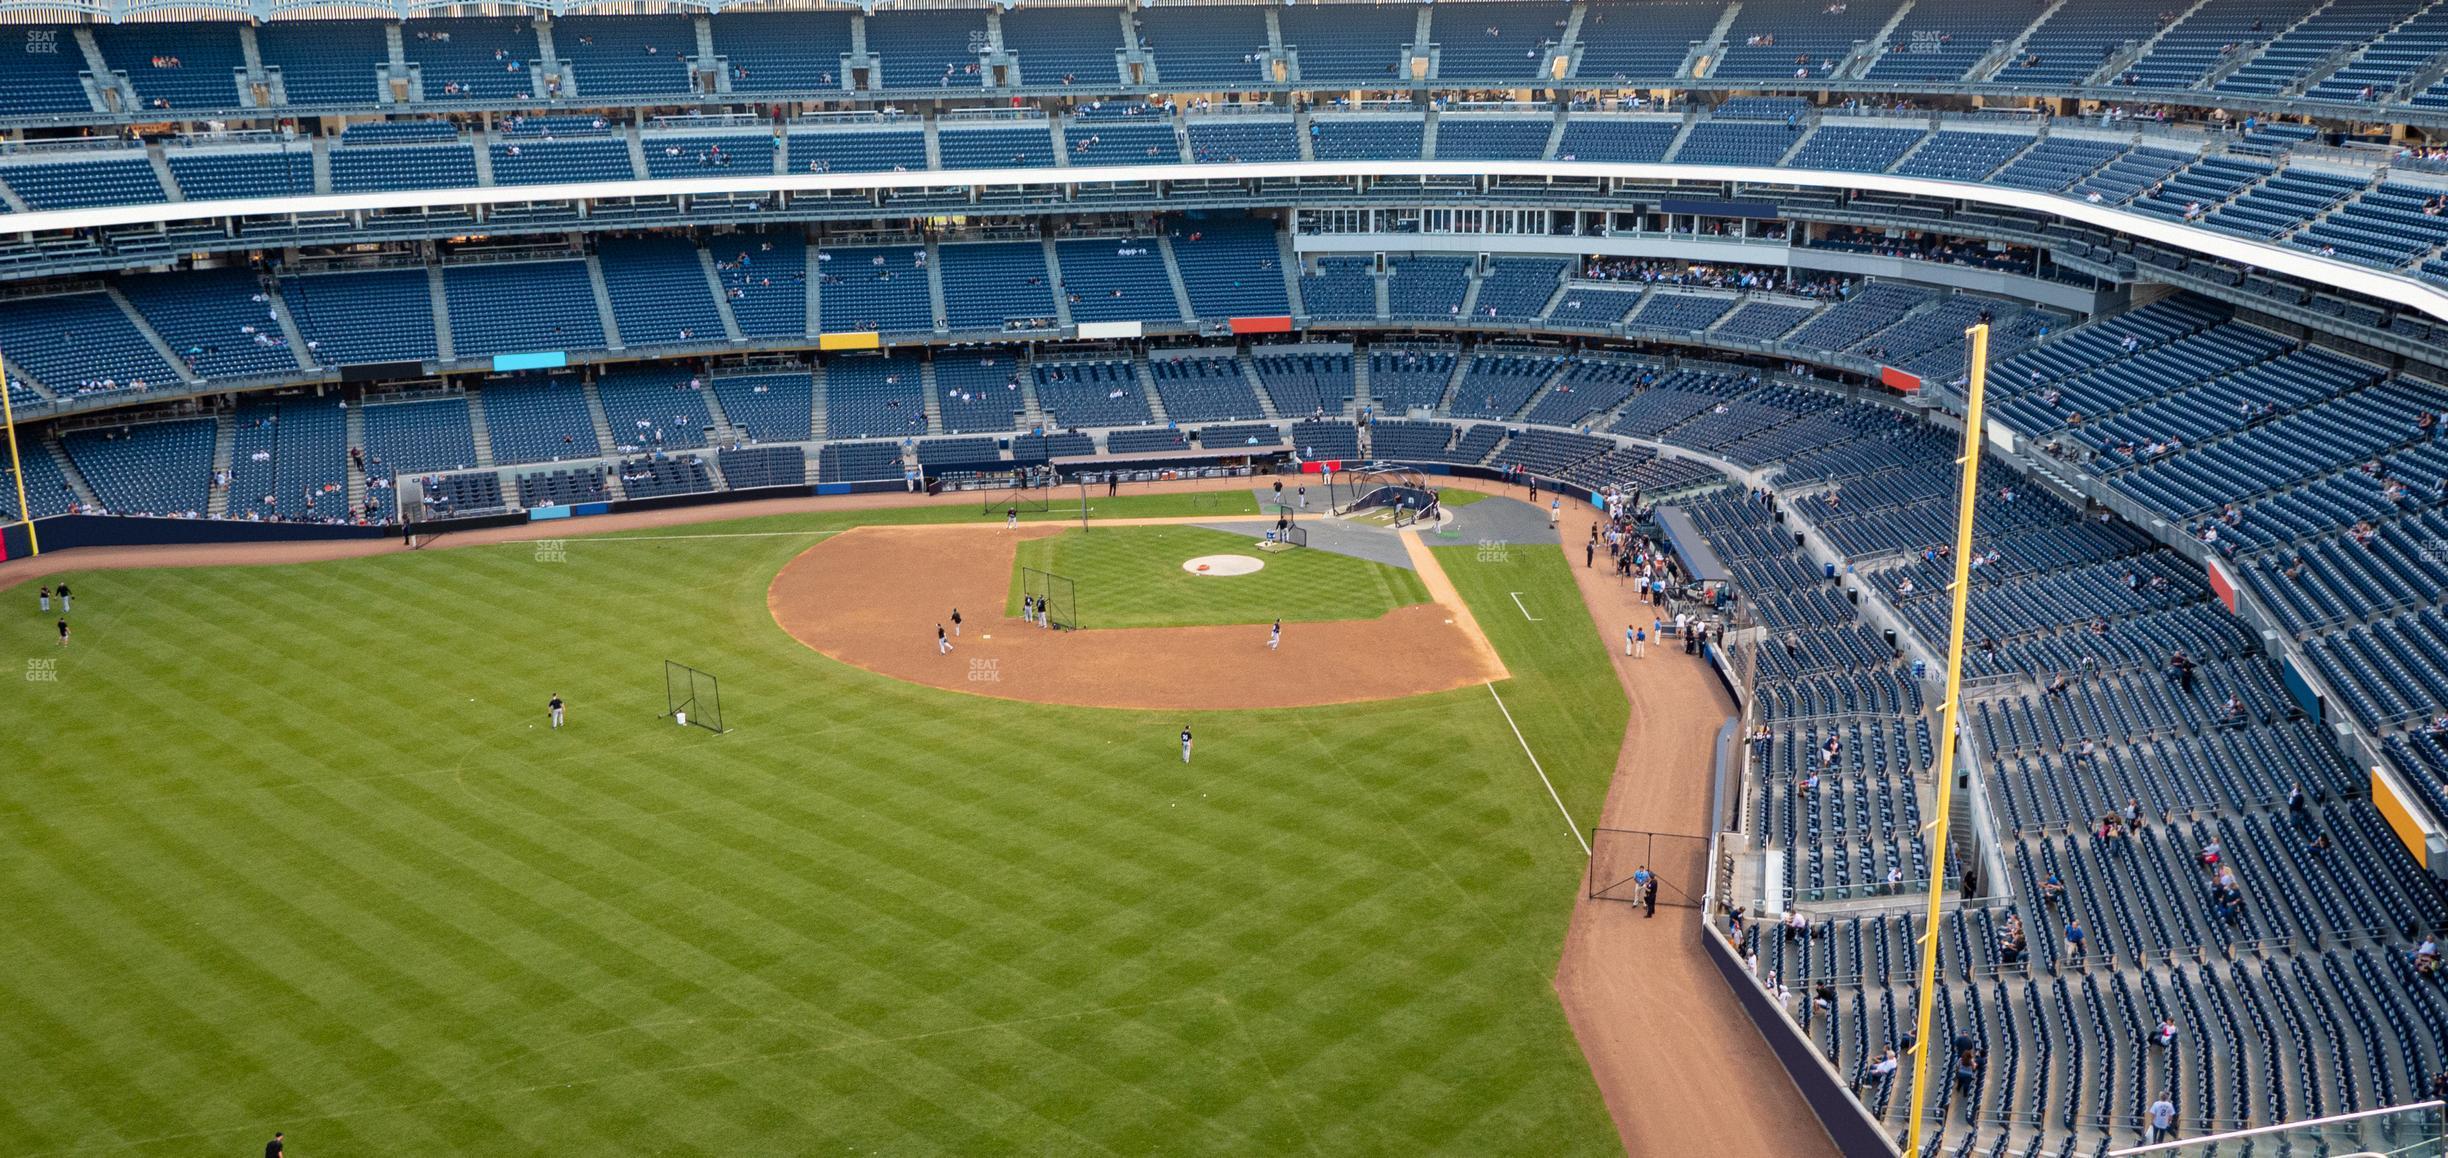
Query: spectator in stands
x=1880 y=1071
x=2162 y=1120
x=2164 y=1035
x=2074 y=939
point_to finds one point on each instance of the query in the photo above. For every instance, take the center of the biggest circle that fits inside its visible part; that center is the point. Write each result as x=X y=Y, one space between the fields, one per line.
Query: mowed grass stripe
x=1563 y=694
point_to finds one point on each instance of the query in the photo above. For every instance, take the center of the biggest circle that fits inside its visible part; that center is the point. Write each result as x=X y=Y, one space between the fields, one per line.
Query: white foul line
x=1524 y=610
x=1542 y=772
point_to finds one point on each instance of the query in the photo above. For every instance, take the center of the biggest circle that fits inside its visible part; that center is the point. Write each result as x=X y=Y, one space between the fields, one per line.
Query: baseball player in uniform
x=1275 y=635
x=956 y=621
x=1185 y=743
x=556 y=709
x=943 y=642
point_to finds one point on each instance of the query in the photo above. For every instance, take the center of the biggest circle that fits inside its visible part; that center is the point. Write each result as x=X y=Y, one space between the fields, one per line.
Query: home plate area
x=1223 y=565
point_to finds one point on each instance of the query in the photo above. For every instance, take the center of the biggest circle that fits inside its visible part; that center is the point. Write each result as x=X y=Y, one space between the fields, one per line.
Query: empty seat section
x=554 y=162
x=659 y=291
x=1029 y=147
x=1194 y=44
x=80 y=344
x=1619 y=140
x=862 y=149
x=287 y=453
x=210 y=319
x=859 y=462
x=1797 y=39
x=1426 y=287
x=1230 y=265
x=326 y=62
x=1496 y=43
x=1957 y=156
x=1204 y=389
x=413 y=437
x=357 y=318
x=1116 y=279
x=772 y=406
x=2078 y=39
x=85 y=184
x=880 y=288
x=708 y=154
x=978 y=391
x=150 y=468
x=1642 y=41
x=1340 y=287
x=1366 y=138
x=751 y=467
x=386 y=168
x=42 y=79
x=1492 y=139
x=765 y=277
x=521 y=307
x=783 y=51
x=654 y=408
x=1236 y=140
x=1856 y=148
x=1348 y=43
x=181 y=65
x=939 y=49
x=1058 y=47
x=1142 y=142
x=1737 y=142
x=221 y=176
x=1939 y=41
x=541 y=418
x=1518 y=288
x=473 y=58
x=627 y=56
x=996 y=286
x=1077 y=394
x=1303 y=382
x=874 y=396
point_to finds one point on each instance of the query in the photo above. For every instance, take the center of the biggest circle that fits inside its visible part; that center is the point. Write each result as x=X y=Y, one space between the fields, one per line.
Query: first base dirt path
x=871 y=597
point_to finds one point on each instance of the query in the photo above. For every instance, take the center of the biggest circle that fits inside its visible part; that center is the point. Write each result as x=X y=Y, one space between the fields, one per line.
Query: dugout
x=1692 y=550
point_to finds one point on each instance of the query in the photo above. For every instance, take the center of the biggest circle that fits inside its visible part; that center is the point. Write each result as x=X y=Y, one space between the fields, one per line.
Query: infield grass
x=291 y=848
x=1133 y=577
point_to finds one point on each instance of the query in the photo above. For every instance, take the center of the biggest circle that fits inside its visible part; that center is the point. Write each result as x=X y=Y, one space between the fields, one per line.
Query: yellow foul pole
x=8 y=418
x=1949 y=709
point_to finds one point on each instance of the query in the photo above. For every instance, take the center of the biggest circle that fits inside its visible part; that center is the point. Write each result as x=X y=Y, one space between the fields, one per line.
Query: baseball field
x=293 y=847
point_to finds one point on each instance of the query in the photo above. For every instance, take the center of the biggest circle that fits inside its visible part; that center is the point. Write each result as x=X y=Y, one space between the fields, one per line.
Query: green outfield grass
x=957 y=507
x=290 y=848
x=1457 y=497
x=1133 y=577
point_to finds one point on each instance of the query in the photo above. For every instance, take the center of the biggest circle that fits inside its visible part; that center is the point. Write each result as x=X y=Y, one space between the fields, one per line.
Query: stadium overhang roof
x=2382 y=285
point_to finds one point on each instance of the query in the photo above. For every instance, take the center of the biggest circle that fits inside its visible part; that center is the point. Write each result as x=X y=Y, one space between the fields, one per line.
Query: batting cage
x=692 y=697
x=1056 y=593
x=1679 y=863
x=1398 y=496
x=1027 y=490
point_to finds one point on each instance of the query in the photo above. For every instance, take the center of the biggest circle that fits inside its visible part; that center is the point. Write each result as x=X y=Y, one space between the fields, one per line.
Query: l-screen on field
x=294 y=847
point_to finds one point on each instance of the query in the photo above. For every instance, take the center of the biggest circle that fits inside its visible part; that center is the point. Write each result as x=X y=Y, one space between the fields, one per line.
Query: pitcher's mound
x=1222 y=565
